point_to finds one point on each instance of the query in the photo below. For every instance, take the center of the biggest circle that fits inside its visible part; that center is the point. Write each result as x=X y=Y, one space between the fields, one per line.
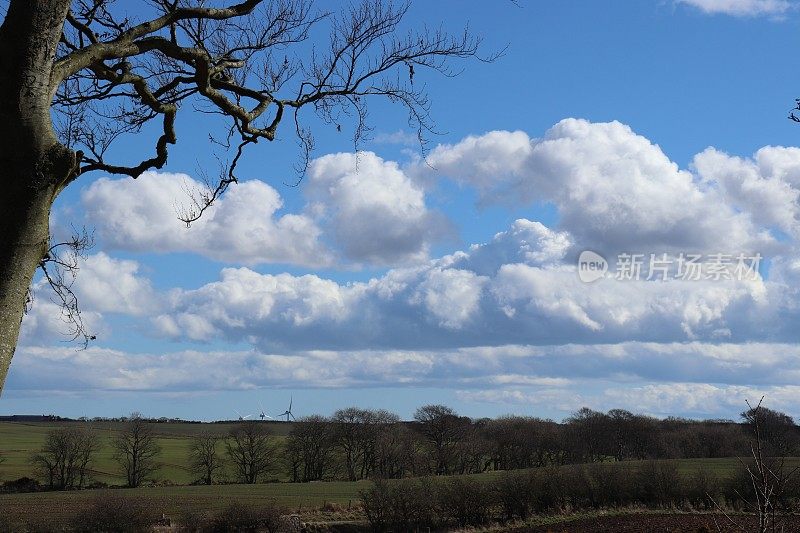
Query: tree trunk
x=24 y=227
x=34 y=167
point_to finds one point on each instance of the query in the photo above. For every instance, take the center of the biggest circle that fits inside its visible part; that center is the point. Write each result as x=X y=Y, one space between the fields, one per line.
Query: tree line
x=355 y=444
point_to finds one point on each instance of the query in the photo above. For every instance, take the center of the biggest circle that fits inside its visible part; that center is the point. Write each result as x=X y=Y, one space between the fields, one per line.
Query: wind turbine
x=288 y=413
x=263 y=414
x=242 y=418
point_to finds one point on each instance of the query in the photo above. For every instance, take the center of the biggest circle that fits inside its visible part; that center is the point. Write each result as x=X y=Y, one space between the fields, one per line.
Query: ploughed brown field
x=652 y=523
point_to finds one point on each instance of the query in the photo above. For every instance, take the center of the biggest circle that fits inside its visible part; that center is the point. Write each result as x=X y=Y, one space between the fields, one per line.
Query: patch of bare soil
x=659 y=523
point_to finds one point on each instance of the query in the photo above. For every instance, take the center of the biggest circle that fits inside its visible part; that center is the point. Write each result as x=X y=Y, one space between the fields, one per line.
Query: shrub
x=116 y=514
x=190 y=520
x=465 y=501
x=376 y=502
x=515 y=493
x=550 y=489
x=659 y=483
x=702 y=485
x=413 y=504
x=239 y=517
x=23 y=484
x=400 y=505
x=612 y=485
x=598 y=485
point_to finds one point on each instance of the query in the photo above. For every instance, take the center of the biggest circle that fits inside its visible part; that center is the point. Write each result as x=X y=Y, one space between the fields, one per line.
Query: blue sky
x=381 y=281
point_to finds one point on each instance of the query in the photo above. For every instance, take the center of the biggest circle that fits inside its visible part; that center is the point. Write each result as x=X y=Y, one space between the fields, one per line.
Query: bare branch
x=60 y=266
x=114 y=76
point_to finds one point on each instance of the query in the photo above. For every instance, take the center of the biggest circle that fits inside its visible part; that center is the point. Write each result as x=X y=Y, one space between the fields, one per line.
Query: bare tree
x=65 y=457
x=443 y=429
x=136 y=449
x=310 y=445
x=81 y=75
x=355 y=434
x=205 y=460
x=251 y=450
x=767 y=476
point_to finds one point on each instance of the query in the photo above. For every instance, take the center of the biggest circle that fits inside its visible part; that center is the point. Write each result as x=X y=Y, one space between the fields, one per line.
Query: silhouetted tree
x=355 y=434
x=65 y=457
x=310 y=443
x=136 y=449
x=778 y=433
x=205 y=459
x=251 y=450
x=397 y=452
x=587 y=430
x=443 y=429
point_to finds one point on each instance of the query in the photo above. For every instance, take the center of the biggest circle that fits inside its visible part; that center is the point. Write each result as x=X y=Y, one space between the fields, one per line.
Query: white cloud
x=766 y=187
x=450 y=302
x=367 y=207
x=243 y=226
x=374 y=212
x=106 y=284
x=698 y=379
x=450 y=295
x=244 y=302
x=102 y=285
x=615 y=190
x=742 y=8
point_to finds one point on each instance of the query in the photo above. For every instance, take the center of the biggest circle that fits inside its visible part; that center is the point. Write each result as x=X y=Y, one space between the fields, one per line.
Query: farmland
x=19 y=440
x=171 y=493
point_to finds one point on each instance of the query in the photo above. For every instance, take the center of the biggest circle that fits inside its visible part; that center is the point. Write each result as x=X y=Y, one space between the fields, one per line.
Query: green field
x=18 y=441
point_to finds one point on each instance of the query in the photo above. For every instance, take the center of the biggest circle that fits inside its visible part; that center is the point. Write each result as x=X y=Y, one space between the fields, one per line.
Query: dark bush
x=113 y=513
x=550 y=489
x=599 y=485
x=658 y=483
x=413 y=505
x=465 y=501
x=240 y=517
x=23 y=484
x=515 y=492
x=377 y=505
x=701 y=487
x=400 y=505
x=190 y=520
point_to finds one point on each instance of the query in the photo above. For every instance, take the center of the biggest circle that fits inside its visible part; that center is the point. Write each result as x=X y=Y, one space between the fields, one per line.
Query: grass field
x=18 y=441
x=304 y=498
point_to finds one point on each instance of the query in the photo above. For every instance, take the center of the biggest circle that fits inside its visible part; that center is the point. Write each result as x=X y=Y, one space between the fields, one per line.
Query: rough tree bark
x=34 y=165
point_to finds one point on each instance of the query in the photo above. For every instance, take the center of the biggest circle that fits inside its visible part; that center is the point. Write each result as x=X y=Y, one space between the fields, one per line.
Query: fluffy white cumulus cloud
x=243 y=226
x=451 y=296
x=107 y=284
x=507 y=320
x=742 y=8
x=766 y=186
x=614 y=190
x=244 y=301
x=374 y=211
x=528 y=296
